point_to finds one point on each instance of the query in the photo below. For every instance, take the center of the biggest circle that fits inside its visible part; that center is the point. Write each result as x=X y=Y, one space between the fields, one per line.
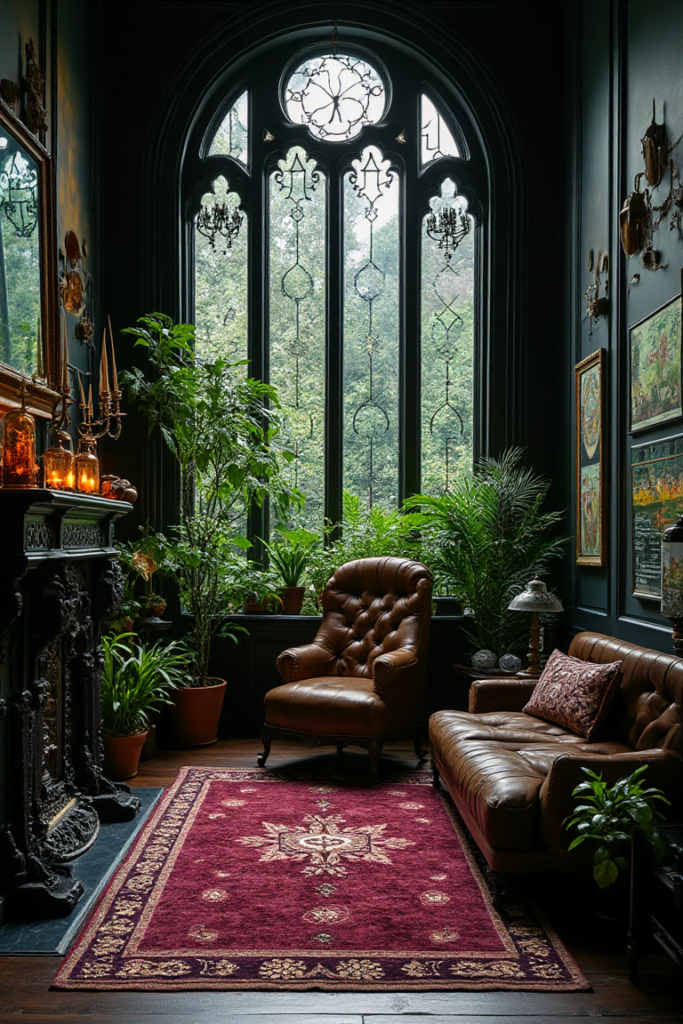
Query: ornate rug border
x=63 y=980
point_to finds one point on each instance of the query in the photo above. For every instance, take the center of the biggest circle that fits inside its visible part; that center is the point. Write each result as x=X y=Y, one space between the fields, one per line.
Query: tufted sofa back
x=373 y=606
x=648 y=710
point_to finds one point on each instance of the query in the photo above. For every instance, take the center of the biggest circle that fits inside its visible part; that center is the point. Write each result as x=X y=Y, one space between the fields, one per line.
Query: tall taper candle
x=104 y=366
x=85 y=409
x=115 y=379
x=90 y=403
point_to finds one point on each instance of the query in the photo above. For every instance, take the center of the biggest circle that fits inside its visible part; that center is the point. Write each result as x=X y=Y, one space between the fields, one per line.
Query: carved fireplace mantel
x=58 y=581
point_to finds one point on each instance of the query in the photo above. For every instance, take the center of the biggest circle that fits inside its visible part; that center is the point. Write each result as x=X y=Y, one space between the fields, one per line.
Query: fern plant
x=485 y=540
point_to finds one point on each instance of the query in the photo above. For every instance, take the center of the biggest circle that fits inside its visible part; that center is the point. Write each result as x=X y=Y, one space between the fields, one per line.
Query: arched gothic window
x=333 y=241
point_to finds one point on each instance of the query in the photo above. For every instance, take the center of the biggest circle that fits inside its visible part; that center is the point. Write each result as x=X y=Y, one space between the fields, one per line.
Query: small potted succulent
x=135 y=682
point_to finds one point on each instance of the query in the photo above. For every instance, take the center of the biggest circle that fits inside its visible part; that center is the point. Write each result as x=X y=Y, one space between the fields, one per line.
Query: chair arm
x=557 y=803
x=500 y=694
x=401 y=663
x=306 y=662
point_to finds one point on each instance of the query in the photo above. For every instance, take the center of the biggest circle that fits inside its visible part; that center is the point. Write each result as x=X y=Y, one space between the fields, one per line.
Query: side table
x=657 y=909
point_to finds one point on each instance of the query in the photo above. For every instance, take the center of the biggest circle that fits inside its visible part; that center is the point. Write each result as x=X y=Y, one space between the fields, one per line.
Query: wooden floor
x=658 y=996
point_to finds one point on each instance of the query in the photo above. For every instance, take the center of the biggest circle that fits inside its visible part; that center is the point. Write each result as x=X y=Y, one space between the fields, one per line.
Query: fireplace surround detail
x=58 y=581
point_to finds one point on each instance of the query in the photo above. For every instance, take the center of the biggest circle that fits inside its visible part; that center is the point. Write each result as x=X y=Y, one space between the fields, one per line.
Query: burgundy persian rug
x=253 y=879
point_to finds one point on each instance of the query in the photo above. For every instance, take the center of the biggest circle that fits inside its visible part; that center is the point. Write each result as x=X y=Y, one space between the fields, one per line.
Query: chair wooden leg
x=374 y=750
x=263 y=756
x=420 y=753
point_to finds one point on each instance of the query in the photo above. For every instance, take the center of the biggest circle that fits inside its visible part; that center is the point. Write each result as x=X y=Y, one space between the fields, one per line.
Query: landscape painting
x=656 y=367
x=656 y=495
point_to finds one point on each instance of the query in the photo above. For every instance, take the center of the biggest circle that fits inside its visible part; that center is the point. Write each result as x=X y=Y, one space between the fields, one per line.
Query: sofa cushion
x=495 y=764
x=575 y=694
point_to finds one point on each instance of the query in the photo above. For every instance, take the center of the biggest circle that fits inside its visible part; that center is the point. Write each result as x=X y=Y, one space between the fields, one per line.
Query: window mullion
x=334 y=366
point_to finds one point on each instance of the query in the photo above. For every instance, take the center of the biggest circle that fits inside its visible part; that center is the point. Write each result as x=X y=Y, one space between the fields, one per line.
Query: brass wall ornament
x=634 y=220
x=597 y=305
x=640 y=217
x=654 y=151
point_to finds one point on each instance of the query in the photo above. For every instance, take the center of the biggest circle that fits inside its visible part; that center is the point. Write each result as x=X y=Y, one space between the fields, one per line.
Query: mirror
x=29 y=343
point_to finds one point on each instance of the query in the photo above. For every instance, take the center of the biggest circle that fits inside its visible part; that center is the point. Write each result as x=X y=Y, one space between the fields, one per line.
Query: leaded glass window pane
x=437 y=138
x=335 y=96
x=221 y=277
x=296 y=327
x=371 y=328
x=447 y=320
x=232 y=137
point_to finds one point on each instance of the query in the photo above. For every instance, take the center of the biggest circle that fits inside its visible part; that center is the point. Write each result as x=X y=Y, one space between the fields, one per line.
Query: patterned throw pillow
x=575 y=694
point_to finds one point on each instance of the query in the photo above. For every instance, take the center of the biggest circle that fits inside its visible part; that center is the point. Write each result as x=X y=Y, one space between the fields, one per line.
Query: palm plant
x=137 y=680
x=486 y=539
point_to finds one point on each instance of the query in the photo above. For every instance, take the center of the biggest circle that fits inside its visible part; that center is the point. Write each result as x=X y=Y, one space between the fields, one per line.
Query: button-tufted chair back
x=648 y=709
x=374 y=606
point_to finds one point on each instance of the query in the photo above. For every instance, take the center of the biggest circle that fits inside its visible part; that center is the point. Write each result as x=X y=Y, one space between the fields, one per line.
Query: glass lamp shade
x=535 y=599
x=87 y=467
x=59 y=471
x=19 y=467
x=672 y=571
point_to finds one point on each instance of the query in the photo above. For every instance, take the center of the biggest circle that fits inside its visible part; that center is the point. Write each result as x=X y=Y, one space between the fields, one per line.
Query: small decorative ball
x=510 y=663
x=484 y=659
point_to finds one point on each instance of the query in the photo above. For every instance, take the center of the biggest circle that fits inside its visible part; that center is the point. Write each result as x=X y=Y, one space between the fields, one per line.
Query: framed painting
x=655 y=347
x=590 y=418
x=656 y=495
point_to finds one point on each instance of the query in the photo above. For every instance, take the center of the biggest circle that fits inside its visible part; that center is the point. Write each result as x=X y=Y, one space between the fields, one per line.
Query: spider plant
x=137 y=680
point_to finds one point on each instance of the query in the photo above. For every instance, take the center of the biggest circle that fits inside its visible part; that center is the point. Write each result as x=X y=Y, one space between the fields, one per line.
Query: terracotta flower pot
x=155 y=609
x=122 y=755
x=292 y=600
x=196 y=713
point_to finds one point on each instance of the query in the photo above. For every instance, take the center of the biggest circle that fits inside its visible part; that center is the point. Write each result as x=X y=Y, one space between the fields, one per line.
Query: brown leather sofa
x=511 y=775
x=363 y=679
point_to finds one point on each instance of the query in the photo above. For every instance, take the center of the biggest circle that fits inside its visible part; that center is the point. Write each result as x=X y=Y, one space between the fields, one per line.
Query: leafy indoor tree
x=223 y=429
x=486 y=539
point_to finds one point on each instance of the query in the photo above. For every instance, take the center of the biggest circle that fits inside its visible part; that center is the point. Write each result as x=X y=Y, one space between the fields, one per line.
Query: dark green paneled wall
x=61 y=30
x=629 y=53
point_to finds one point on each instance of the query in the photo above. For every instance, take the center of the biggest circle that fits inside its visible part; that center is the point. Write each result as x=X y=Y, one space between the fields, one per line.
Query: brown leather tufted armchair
x=362 y=680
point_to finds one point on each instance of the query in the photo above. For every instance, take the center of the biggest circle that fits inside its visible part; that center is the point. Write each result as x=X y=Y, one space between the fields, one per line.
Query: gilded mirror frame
x=41 y=393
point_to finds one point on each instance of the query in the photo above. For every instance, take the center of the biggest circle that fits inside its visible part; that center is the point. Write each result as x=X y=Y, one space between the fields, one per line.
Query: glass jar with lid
x=87 y=467
x=59 y=472
x=19 y=467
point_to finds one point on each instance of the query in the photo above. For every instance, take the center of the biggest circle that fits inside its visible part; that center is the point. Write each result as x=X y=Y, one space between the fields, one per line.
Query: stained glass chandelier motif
x=370 y=179
x=19 y=194
x=445 y=227
x=296 y=180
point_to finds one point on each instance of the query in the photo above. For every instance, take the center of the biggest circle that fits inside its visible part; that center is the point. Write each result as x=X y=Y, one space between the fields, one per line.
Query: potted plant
x=613 y=817
x=485 y=540
x=223 y=429
x=135 y=681
x=362 y=533
x=258 y=587
x=289 y=558
x=141 y=559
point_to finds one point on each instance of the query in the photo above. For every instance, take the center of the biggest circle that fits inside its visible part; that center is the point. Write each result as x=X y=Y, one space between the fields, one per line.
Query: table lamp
x=535 y=599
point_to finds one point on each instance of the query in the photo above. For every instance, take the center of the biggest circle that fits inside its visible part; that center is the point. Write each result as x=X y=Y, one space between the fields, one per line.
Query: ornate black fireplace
x=58 y=581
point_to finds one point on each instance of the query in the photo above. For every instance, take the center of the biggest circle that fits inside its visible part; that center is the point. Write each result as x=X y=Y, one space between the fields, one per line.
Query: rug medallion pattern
x=247 y=879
